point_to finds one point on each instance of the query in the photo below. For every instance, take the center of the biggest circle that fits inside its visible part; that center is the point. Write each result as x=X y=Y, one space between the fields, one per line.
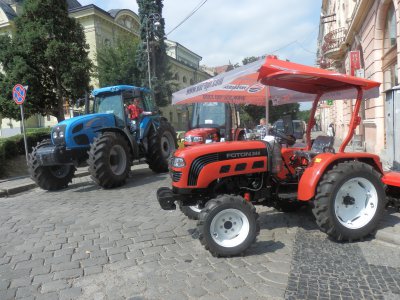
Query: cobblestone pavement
x=88 y=243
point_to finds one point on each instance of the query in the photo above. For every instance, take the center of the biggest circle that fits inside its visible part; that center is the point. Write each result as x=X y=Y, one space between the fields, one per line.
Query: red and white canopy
x=278 y=81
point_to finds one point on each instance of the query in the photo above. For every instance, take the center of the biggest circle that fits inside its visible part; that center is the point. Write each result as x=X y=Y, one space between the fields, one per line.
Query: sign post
x=19 y=94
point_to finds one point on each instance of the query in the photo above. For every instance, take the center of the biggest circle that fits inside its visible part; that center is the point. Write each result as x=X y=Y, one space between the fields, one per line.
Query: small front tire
x=192 y=212
x=228 y=225
x=50 y=178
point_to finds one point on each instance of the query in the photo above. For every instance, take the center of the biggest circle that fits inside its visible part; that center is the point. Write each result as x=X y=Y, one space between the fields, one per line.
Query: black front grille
x=198 y=164
x=176 y=176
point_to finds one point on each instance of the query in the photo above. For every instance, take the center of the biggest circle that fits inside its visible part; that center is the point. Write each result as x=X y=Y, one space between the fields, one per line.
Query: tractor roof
x=312 y=81
x=119 y=88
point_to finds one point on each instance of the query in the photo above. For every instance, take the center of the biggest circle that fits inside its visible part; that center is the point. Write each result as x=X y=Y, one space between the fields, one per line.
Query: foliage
x=250 y=59
x=304 y=115
x=14 y=145
x=117 y=63
x=275 y=112
x=160 y=75
x=48 y=53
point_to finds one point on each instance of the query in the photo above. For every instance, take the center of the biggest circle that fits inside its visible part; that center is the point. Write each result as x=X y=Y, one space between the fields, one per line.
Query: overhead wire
x=202 y=2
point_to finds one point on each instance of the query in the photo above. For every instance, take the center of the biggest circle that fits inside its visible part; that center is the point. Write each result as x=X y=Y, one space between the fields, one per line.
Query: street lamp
x=152 y=21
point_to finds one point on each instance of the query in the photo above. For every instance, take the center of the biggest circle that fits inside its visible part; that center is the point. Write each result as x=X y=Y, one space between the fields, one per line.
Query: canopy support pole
x=266 y=106
x=355 y=120
x=311 y=121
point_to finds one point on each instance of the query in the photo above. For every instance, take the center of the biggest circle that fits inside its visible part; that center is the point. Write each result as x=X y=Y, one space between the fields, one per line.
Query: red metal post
x=311 y=121
x=354 y=122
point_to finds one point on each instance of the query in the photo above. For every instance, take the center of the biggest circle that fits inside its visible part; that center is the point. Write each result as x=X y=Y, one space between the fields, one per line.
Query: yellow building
x=103 y=28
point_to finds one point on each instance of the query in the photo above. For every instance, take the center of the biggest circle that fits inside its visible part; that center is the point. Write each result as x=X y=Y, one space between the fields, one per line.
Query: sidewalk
x=388 y=232
x=12 y=186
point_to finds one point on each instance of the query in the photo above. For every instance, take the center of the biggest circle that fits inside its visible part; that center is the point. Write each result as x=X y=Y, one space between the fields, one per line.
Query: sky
x=224 y=31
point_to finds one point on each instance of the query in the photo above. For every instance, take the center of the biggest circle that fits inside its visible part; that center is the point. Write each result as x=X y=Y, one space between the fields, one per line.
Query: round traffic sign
x=19 y=94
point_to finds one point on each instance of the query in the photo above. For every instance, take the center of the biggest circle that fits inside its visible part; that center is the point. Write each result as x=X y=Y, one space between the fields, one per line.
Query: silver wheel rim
x=60 y=171
x=118 y=160
x=229 y=228
x=356 y=203
x=195 y=208
x=167 y=145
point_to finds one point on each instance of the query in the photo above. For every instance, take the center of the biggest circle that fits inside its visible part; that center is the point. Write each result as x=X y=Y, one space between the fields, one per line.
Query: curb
x=28 y=186
x=388 y=237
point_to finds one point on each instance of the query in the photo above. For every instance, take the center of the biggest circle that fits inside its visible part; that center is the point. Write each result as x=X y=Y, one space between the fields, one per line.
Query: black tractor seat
x=321 y=144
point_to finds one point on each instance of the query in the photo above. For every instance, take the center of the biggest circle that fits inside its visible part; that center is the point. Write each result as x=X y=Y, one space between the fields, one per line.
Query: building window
x=390 y=29
x=176 y=76
x=389 y=59
x=184 y=79
x=171 y=116
x=191 y=81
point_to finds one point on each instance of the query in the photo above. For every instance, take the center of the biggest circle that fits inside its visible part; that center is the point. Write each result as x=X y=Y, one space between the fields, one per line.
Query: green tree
x=160 y=75
x=249 y=59
x=116 y=64
x=48 y=53
x=254 y=113
x=275 y=112
x=304 y=115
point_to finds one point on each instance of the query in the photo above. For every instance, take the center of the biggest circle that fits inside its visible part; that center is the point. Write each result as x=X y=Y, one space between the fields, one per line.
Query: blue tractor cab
x=103 y=139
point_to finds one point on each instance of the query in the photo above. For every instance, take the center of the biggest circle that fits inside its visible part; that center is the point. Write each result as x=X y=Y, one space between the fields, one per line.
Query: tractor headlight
x=178 y=162
x=193 y=139
x=58 y=134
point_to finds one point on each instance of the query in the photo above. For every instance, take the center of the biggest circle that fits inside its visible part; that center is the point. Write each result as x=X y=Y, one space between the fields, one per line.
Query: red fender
x=391 y=179
x=312 y=175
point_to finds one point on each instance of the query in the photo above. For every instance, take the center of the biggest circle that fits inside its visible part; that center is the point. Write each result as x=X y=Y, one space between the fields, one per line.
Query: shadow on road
x=138 y=177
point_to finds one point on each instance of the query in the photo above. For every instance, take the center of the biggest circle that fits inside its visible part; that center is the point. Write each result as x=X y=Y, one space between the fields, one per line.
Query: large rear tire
x=50 y=178
x=109 y=160
x=161 y=145
x=228 y=225
x=350 y=201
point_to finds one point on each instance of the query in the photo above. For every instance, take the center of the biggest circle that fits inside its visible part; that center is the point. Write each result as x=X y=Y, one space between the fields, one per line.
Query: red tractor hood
x=203 y=132
x=217 y=148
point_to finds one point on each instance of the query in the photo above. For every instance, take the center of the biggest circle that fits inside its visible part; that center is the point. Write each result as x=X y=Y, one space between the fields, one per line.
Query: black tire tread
x=214 y=203
x=98 y=160
x=188 y=212
x=154 y=157
x=42 y=175
x=322 y=203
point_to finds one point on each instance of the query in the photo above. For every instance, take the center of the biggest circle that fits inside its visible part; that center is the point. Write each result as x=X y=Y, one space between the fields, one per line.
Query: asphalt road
x=89 y=243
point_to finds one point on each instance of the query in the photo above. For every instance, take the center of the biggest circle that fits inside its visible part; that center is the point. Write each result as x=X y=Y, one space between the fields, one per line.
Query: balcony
x=333 y=46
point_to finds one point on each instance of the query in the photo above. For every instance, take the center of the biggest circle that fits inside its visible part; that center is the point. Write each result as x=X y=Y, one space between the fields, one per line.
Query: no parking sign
x=19 y=94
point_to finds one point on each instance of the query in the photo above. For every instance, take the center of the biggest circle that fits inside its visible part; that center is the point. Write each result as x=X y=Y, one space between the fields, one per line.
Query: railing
x=333 y=40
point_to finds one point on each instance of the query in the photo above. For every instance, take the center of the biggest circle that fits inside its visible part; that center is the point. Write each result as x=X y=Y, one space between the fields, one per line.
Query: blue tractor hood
x=79 y=132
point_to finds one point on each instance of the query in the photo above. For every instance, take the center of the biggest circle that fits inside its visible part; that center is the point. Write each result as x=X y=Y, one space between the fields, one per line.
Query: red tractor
x=213 y=122
x=227 y=180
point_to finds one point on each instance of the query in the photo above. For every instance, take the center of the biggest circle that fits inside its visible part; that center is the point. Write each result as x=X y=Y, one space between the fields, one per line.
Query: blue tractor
x=104 y=139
